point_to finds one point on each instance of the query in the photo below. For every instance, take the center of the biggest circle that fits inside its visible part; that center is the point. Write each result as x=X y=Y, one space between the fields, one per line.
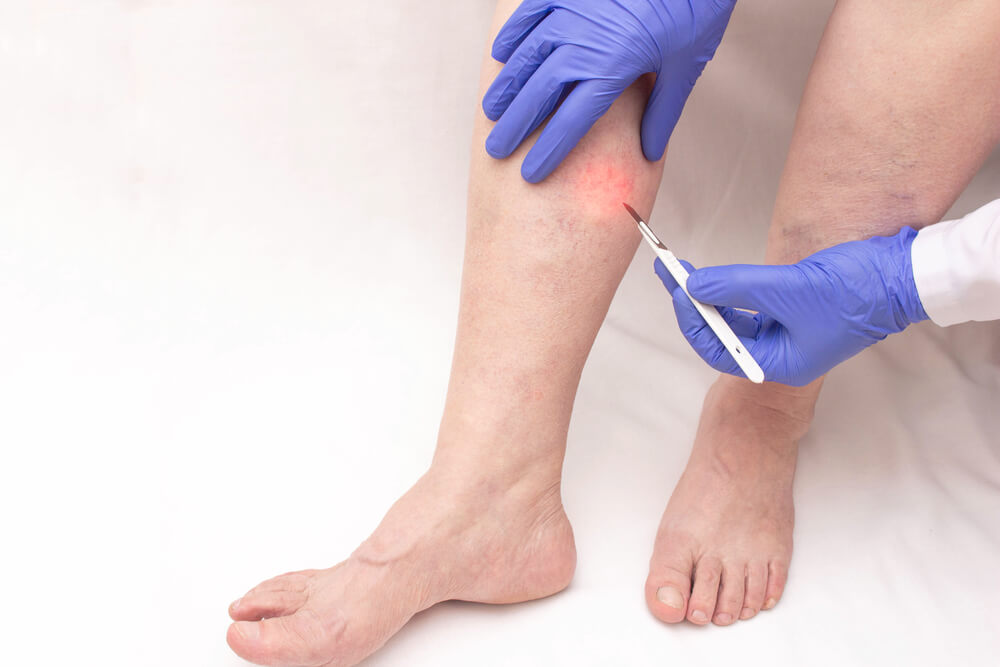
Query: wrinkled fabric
x=956 y=267
x=810 y=316
x=580 y=55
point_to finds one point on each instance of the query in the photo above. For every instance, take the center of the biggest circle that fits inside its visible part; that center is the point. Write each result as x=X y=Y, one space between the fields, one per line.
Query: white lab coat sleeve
x=956 y=267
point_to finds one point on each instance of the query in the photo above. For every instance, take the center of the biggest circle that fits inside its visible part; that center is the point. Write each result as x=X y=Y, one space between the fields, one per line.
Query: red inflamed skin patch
x=605 y=187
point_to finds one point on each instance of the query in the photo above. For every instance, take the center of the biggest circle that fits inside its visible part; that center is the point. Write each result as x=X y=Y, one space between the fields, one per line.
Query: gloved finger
x=701 y=337
x=524 y=62
x=532 y=105
x=589 y=101
x=663 y=110
x=665 y=277
x=743 y=323
x=520 y=24
x=767 y=289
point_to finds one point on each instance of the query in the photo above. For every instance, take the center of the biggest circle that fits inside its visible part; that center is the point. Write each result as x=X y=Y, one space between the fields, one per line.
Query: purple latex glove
x=811 y=315
x=584 y=54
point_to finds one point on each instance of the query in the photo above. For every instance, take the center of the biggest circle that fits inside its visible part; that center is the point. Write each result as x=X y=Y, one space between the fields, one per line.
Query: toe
x=777 y=575
x=303 y=639
x=668 y=585
x=730 y=598
x=667 y=590
x=756 y=586
x=279 y=596
x=258 y=605
x=707 y=575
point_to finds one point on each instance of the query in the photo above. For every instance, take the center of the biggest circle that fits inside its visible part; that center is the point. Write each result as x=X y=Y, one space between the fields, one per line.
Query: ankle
x=493 y=469
x=484 y=484
x=752 y=426
x=496 y=455
x=790 y=408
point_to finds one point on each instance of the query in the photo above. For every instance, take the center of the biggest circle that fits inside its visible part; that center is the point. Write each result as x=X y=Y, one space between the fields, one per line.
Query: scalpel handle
x=732 y=343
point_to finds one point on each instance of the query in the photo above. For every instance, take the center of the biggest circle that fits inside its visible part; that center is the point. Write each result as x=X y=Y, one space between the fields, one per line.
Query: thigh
x=901 y=108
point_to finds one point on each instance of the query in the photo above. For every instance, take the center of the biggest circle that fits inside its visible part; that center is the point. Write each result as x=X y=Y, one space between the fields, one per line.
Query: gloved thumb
x=766 y=289
x=662 y=112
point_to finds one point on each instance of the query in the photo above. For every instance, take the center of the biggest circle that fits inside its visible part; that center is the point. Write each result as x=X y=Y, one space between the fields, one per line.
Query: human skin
x=898 y=114
x=486 y=522
x=901 y=108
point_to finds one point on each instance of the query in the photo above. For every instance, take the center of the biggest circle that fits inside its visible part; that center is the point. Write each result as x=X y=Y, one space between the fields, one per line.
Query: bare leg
x=901 y=108
x=486 y=522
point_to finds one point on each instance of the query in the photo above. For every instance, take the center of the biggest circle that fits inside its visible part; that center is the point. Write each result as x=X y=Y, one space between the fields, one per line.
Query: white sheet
x=230 y=246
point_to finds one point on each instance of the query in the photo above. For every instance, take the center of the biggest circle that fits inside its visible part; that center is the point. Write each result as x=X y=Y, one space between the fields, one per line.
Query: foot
x=725 y=541
x=446 y=538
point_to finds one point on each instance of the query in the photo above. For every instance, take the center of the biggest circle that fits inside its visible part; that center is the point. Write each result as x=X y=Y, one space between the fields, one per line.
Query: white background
x=230 y=246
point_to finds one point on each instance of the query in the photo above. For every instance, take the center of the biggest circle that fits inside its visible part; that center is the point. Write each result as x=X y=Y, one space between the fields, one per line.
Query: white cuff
x=956 y=267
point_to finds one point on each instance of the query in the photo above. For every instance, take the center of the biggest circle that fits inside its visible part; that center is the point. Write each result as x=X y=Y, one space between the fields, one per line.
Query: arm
x=816 y=313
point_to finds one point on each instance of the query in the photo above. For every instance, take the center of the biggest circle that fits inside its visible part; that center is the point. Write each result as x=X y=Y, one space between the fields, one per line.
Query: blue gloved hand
x=584 y=54
x=811 y=315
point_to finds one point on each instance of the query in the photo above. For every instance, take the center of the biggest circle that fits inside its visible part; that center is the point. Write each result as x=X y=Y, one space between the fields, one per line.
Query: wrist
x=906 y=304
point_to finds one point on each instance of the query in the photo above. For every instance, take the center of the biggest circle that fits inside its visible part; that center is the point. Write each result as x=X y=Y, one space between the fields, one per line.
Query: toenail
x=248 y=629
x=770 y=603
x=724 y=619
x=747 y=613
x=698 y=616
x=670 y=596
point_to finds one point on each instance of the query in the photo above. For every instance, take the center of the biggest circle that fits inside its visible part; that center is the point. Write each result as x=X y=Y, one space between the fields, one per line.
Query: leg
x=901 y=107
x=486 y=522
